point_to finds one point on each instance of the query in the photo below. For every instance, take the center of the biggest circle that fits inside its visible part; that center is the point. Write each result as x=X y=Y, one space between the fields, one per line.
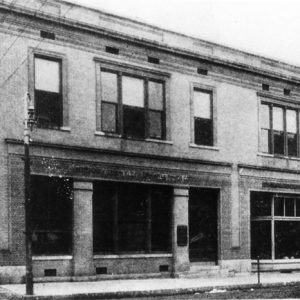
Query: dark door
x=203 y=225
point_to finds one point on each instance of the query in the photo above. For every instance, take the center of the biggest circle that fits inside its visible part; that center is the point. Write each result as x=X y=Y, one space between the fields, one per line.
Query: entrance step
x=198 y=271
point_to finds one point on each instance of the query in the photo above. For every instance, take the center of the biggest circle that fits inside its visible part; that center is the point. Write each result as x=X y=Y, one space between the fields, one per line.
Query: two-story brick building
x=154 y=154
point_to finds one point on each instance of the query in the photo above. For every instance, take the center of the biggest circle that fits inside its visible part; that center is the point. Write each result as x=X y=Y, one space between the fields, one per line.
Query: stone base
x=236 y=265
x=12 y=274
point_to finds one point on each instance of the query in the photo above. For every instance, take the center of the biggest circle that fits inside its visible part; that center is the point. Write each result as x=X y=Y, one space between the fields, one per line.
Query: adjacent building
x=154 y=153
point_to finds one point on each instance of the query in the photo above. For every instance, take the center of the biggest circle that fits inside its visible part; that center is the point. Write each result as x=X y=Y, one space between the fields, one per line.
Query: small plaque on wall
x=182 y=237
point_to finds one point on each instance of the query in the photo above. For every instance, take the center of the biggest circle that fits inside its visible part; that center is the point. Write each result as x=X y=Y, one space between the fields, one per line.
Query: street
x=289 y=291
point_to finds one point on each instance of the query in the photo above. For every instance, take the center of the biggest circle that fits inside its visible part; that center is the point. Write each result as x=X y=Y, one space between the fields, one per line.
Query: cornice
x=157 y=45
x=120 y=153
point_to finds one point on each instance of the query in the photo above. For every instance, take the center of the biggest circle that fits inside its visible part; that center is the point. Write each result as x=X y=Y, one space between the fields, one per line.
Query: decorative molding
x=120 y=153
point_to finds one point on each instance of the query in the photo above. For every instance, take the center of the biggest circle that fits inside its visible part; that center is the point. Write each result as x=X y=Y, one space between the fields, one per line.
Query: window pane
x=298 y=207
x=265 y=141
x=48 y=109
x=109 y=87
x=133 y=91
x=292 y=144
x=261 y=239
x=155 y=124
x=289 y=207
x=287 y=240
x=202 y=105
x=51 y=215
x=134 y=122
x=265 y=116
x=278 y=142
x=203 y=132
x=277 y=118
x=132 y=218
x=47 y=75
x=161 y=218
x=260 y=204
x=103 y=203
x=109 y=117
x=278 y=206
x=155 y=95
x=291 y=121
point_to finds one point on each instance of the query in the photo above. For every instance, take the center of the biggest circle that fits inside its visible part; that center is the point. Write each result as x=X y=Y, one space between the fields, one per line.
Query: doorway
x=203 y=225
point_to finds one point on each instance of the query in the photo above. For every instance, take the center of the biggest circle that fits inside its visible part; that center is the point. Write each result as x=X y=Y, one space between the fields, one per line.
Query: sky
x=266 y=27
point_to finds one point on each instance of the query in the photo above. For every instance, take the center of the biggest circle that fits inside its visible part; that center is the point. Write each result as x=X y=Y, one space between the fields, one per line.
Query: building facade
x=154 y=153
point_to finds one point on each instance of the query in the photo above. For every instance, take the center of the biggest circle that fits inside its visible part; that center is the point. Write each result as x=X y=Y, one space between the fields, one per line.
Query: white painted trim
x=159 y=141
x=126 y=256
x=192 y=145
x=59 y=257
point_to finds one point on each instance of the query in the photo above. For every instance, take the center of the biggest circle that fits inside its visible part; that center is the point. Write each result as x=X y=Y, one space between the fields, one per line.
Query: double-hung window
x=48 y=92
x=132 y=105
x=279 y=130
x=203 y=117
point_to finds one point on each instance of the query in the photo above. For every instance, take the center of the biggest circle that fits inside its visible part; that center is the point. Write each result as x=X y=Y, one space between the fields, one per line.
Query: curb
x=146 y=293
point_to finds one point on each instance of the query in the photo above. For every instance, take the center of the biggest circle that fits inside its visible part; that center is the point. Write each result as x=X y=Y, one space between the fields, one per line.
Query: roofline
x=157 y=45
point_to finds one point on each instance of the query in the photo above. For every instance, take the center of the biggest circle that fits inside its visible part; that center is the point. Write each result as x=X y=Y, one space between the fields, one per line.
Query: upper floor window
x=279 y=130
x=48 y=92
x=131 y=105
x=203 y=117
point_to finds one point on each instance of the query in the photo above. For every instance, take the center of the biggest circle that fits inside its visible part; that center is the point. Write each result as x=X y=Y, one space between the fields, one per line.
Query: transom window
x=133 y=106
x=203 y=117
x=279 y=132
x=48 y=92
x=275 y=226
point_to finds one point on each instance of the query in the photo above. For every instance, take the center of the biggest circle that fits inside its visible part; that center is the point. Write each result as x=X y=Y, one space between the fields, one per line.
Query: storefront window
x=275 y=226
x=51 y=215
x=131 y=218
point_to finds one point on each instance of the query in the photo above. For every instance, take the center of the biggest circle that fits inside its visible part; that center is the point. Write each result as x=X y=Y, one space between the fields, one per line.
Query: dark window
x=51 y=215
x=278 y=130
x=265 y=87
x=112 y=50
x=261 y=204
x=275 y=226
x=153 y=60
x=261 y=239
x=48 y=95
x=286 y=92
x=47 y=35
x=131 y=218
x=202 y=71
x=132 y=106
x=203 y=121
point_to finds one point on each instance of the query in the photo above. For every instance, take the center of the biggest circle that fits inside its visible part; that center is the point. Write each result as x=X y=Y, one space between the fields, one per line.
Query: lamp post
x=29 y=121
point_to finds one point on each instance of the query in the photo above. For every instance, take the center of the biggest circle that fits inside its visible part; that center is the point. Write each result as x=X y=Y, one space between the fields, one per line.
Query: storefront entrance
x=203 y=225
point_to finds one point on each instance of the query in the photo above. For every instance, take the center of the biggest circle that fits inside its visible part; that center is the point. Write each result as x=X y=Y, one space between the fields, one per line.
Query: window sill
x=125 y=256
x=115 y=135
x=63 y=129
x=159 y=141
x=278 y=156
x=52 y=257
x=204 y=147
x=276 y=261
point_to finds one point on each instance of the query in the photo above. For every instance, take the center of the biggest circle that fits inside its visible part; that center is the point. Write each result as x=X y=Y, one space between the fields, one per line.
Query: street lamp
x=29 y=121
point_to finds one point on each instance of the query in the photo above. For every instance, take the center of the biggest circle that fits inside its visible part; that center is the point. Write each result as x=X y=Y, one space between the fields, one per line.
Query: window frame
x=272 y=218
x=144 y=74
x=149 y=221
x=285 y=107
x=52 y=56
x=213 y=106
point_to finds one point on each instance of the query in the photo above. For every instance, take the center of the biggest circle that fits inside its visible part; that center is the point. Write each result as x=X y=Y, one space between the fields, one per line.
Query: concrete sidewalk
x=107 y=289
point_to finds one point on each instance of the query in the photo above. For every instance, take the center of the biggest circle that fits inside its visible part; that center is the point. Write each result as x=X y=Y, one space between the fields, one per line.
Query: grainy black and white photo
x=149 y=149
